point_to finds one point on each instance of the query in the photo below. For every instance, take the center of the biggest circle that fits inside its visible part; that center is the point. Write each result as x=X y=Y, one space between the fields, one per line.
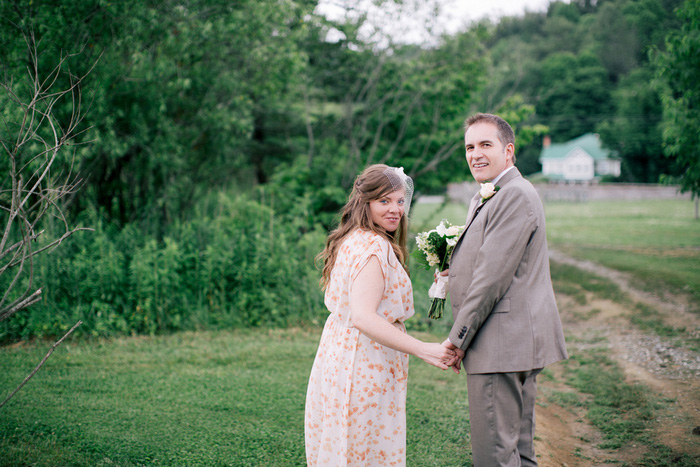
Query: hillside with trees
x=218 y=139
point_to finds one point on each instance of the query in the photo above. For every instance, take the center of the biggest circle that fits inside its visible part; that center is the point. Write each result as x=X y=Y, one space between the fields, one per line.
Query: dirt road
x=564 y=436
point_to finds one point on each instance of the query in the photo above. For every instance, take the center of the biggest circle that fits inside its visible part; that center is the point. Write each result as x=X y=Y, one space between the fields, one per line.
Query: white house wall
x=579 y=165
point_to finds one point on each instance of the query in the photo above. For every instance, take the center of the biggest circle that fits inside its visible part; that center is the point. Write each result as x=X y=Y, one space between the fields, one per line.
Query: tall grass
x=236 y=263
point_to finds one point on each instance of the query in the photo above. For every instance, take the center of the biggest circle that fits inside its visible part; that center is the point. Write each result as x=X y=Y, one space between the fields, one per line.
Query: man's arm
x=511 y=222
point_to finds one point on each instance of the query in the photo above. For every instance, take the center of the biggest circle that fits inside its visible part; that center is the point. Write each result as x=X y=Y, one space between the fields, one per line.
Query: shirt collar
x=500 y=175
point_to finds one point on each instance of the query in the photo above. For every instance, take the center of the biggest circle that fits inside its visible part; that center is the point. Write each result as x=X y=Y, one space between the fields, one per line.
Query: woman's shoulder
x=366 y=239
x=360 y=243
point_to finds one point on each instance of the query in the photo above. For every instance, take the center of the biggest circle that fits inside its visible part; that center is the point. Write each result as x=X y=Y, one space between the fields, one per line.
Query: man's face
x=486 y=155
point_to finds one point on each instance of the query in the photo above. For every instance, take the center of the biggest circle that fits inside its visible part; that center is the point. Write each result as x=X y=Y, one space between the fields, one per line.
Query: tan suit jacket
x=505 y=314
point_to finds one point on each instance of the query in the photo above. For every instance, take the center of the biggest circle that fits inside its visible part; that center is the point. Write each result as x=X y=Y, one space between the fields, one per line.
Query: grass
x=658 y=242
x=207 y=399
x=620 y=410
x=624 y=413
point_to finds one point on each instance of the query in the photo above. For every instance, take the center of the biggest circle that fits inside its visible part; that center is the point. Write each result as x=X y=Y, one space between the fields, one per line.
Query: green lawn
x=657 y=241
x=196 y=399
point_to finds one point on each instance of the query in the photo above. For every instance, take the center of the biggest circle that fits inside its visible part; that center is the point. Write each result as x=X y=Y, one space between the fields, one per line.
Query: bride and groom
x=506 y=324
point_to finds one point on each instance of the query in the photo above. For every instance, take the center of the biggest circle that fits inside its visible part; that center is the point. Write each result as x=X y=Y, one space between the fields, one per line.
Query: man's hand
x=456 y=363
x=446 y=272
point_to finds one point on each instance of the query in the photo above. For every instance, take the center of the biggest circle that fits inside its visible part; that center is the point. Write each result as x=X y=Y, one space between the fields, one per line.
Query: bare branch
x=56 y=242
x=38 y=367
x=9 y=311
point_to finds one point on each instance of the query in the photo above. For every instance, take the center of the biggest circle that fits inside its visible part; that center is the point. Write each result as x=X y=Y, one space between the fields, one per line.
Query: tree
x=190 y=96
x=573 y=93
x=32 y=135
x=635 y=129
x=678 y=73
x=395 y=103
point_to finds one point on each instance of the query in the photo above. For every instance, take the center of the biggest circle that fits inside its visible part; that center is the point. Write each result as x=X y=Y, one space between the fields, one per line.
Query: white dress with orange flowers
x=356 y=398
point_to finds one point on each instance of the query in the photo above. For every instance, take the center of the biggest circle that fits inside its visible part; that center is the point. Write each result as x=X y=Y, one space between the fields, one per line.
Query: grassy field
x=196 y=399
x=237 y=398
x=656 y=241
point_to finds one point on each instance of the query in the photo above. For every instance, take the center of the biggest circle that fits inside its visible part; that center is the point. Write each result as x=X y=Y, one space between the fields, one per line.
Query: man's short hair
x=505 y=132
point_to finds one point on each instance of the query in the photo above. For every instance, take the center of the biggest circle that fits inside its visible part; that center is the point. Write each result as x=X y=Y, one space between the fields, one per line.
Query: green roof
x=589 y=142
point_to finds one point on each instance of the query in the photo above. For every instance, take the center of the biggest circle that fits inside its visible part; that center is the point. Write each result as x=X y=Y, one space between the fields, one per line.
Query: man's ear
x=510 y=151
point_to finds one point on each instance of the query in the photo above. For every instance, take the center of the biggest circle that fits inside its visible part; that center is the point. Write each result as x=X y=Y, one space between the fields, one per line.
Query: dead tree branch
x=38 y=367
x=33 y=141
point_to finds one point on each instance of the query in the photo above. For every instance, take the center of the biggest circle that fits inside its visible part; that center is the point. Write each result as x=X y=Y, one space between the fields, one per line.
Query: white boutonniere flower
x=487 y=191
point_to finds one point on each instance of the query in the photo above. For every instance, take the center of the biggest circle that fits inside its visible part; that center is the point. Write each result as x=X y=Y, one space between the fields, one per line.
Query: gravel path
x=657 y=355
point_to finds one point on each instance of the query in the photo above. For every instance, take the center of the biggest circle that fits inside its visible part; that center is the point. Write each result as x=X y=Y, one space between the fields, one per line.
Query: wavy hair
x=370 y=185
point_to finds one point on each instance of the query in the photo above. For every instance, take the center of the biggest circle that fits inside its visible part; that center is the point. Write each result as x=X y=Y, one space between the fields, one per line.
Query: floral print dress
x=356 y=397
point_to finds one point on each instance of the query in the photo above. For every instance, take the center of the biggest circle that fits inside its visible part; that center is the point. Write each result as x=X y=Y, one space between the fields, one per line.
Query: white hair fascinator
x=401 y=182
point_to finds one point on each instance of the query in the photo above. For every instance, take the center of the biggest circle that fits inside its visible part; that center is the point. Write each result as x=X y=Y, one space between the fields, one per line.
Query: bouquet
x=434 y=250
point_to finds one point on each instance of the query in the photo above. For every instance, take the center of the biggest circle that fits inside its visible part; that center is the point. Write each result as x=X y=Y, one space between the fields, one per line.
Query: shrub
x=237 y=263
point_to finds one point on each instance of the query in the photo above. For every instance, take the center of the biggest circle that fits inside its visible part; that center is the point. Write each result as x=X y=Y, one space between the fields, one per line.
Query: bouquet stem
x=437 y=306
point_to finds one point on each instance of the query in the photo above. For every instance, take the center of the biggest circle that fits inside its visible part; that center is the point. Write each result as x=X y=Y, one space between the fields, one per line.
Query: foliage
x=227 y=267
x=679 y=72
x=575 y=91
x=574 y=66
x=33 y=140
x=635 y=131
x=189 y=97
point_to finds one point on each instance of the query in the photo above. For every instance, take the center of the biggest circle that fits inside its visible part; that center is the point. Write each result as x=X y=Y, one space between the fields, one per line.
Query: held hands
x=456 y=363
x=437 y=355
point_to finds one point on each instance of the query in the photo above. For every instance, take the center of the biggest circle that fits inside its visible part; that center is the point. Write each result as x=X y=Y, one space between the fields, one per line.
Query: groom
x=506 y=322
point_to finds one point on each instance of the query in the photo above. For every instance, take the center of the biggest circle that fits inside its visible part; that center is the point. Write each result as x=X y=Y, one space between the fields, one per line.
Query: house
x=582 y=159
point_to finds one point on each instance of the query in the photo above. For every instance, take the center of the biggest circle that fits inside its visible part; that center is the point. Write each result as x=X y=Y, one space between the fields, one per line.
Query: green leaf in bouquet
x=420 y=258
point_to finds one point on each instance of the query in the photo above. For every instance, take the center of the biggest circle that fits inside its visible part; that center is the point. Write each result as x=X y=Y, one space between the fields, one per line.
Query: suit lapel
x=473 y=207
x=475 y=204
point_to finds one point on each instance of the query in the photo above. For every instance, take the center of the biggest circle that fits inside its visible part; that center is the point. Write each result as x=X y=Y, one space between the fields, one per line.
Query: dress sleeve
x=375 y=247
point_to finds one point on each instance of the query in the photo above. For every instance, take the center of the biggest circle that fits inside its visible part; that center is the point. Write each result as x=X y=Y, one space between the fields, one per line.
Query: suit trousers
x=502 y=418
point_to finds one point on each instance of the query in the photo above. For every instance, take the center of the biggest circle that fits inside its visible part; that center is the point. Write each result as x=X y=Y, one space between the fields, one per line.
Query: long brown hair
x=371 y=184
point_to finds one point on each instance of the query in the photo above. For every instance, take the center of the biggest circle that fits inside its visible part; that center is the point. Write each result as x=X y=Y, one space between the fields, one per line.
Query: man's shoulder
x=518 y=191
x=518 y=184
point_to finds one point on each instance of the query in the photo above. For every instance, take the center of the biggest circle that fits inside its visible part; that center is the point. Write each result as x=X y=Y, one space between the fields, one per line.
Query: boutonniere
x=487 y=191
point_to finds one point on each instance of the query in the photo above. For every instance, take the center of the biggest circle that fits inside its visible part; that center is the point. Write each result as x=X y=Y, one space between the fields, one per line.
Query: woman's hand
x=446 y=272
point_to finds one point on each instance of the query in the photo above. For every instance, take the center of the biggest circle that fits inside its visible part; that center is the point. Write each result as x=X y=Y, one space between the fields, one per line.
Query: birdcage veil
x=400 y=181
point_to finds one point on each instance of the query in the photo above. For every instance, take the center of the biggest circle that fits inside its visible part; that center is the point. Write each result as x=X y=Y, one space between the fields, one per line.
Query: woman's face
x=387 y=211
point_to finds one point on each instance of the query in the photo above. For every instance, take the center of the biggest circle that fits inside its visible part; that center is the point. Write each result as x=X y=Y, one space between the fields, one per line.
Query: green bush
x=237 y=263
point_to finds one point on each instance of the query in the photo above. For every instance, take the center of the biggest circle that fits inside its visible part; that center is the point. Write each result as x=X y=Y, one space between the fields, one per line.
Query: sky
x=465 y=11
x=416 y=22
